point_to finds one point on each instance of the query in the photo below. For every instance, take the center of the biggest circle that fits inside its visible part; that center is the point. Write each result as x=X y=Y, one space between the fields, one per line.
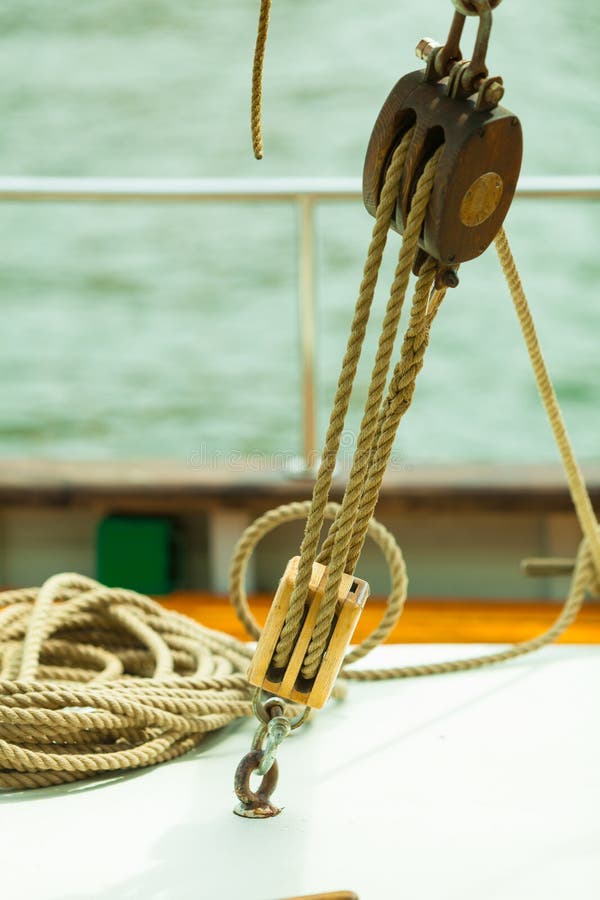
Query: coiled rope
x=96 y=680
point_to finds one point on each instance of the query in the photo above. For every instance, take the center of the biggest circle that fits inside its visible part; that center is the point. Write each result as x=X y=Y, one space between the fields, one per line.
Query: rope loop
x=292 y=512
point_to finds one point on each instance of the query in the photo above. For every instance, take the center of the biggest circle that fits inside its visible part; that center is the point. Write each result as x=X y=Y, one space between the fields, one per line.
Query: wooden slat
x=452 y=620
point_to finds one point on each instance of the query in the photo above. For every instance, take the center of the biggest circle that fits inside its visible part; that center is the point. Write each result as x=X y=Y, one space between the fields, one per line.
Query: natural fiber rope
x=291 y=512
x=98 y=680
x=361 y=472
x=421 y=294
x=341 y=401
x=342 y=546
x=586 y=574
x=577 y=486
x=399 y=397
x=257 y=78
x=435 y=301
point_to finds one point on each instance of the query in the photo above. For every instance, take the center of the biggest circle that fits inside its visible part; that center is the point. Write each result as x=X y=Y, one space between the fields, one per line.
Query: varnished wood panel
x=423 y=621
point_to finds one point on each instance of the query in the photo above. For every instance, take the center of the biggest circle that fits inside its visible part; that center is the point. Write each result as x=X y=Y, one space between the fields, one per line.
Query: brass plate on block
x=481 y=199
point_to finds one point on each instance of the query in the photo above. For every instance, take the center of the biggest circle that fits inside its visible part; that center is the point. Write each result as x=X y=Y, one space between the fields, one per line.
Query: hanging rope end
x=257 y=78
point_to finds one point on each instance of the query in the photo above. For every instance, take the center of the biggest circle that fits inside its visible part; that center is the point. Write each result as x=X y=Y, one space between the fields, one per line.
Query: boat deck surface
x=482 y=784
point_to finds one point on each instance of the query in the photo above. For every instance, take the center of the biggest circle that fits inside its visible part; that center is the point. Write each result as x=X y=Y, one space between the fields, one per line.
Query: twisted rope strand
x=324 y=555
x=341 y=401
x=399 y=397
x=583 y=578
x=291 y=512
x=586 y=575
x=579 y=492
x=257 y=78
x=368 y=428
x=433 y=306
x=587 y=571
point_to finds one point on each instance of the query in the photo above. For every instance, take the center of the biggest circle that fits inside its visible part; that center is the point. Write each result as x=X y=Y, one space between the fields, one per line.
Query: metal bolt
x=425 y=46
x=446 y=277
x=494 y=93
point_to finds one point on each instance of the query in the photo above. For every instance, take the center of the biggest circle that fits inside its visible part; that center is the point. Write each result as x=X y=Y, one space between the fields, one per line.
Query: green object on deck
x=136 y=552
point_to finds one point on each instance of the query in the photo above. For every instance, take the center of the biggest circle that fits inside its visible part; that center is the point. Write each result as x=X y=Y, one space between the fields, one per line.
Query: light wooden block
x=288 y=683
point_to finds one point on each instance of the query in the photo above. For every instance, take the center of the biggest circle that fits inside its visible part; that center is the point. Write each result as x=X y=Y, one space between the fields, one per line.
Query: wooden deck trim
x=172 y=487
x=424 y=621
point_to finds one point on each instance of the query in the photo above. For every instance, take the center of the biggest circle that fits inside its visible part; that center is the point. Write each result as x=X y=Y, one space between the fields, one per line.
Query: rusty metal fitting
x=459 y=77
x=494 y=93
x=274 y=706
x=264 y=712
x=273 y=728
x=445 y=277
x=425 y=46
x=277 y=730
x=443 y=59
x=255 y=804
x=491 y=92
x=473 y=7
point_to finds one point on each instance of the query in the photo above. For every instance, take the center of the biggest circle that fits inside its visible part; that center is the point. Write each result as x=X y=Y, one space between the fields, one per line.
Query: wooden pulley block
x=289 y=683
x=477 y=173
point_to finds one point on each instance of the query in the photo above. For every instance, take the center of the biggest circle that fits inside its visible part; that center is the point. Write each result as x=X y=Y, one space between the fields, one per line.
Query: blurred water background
x=169 y=330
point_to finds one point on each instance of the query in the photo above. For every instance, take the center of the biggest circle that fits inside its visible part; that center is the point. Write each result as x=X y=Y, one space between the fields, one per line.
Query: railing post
x=306 y=293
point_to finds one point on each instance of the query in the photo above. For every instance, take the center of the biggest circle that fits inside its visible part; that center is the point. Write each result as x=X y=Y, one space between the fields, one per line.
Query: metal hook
x=273 y=728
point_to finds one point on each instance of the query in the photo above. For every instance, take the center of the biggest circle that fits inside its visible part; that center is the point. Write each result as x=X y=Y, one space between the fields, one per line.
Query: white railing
x=305 y=193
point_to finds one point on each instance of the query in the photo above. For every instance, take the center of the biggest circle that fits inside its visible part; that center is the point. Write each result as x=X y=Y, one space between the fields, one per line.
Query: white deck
x=480 y=785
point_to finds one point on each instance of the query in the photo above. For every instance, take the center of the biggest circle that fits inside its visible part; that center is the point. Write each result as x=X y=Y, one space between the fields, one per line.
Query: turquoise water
x=172 y=331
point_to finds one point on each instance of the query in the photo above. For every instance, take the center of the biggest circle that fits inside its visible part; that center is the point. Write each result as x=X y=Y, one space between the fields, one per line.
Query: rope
x=257 y=78
x=586 y=576
x=341 y=401
x=361 y=471
x=354 y=551
x=291 y=512
x=345 y=521
x=399 y=398
x=96 y=680
x=577 y=486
